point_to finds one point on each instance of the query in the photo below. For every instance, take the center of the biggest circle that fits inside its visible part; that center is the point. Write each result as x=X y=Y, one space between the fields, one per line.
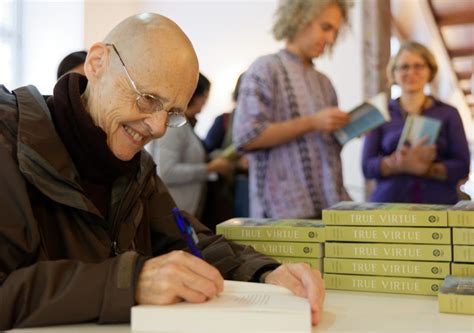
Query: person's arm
x=216 y=134
x=36 y=292
x=456 y=166
x=373 y=164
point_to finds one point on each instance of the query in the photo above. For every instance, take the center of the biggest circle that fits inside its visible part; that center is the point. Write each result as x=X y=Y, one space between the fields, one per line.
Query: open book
x=241 y=307
x=416 y=128
x=364 y=117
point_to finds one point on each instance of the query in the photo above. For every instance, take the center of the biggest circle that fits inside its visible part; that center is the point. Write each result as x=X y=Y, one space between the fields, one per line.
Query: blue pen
x=187 y=231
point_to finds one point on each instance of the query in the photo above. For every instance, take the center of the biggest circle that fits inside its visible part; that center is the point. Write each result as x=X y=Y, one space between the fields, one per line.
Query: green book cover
x=383 y=284
x=462 y=214
x=311 y=231
x=422 y=252
x=423 y=269
x=413 y=235
x=286 y=249
x=316 y=263
x=457 y=295
x=386 y=214
x=463 y=236
x=463 y=253
x=462 y=269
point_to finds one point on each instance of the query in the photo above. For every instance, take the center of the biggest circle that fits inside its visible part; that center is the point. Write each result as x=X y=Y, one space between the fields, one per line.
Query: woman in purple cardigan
x=420 y=173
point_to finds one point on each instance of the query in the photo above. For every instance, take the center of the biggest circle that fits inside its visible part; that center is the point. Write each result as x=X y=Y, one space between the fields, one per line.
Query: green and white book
x=462 y=269
x=383 y=284
x=421 y=269
x=463 y=253
x=462 y=214
x=282 y=230
x=457 y=295
x=413 y=235
x=286 y=249
x=386 y=214
x=316 y=263
x=463 y=236
x=421 y=252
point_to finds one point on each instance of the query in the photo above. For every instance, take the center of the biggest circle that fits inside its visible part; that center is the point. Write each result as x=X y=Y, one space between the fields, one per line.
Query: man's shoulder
x=8 y=119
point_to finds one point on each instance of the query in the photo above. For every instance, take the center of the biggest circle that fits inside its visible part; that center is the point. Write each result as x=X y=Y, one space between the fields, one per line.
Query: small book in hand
x=366 y=116
x=418 y=127
x=241 y=307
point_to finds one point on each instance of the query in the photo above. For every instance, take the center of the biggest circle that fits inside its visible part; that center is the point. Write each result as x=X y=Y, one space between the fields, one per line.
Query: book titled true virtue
x=462 y=214
x=241 y=307
x=417 y=128
x=364 y=117
x=386 y=214
x=457 y=295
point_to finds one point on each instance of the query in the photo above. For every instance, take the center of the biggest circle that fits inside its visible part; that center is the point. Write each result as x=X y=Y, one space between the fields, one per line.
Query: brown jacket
x=61 y=261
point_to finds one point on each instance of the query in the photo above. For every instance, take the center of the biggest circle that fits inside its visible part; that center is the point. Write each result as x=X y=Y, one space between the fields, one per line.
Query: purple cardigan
x=451 y=149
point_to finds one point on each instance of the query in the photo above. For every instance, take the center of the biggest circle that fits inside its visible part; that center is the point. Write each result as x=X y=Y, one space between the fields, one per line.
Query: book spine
x=463 y=253
x=387 y=267
x=412 y=235
x=280 y=234
x=461 y=269
x=400 y=218
x=396 y=285
x=420 y=252
x=463 y=236
x=315 y=263
x=452 y=303
x=286 y=249
x=459 y=218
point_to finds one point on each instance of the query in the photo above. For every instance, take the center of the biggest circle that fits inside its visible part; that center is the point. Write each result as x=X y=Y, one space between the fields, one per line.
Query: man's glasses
x=148 y=103
x=406 y=67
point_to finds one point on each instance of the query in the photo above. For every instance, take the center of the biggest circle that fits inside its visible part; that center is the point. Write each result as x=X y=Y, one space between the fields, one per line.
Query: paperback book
x=383 y=284
x=311 y=231
x=462 y=269
x=463 y=253
x=457 y=295
x=364 y=117
x=421 y=252
x=462 y=214
x=286 y=249
x=421 y=269
x=413 y=235
x=241 y=307
x=386 y=214
x=418 y=127
x=463 y=236
x=316 y=263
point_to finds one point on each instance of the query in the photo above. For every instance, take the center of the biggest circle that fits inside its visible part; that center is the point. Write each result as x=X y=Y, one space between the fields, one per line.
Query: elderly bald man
x=86 y=229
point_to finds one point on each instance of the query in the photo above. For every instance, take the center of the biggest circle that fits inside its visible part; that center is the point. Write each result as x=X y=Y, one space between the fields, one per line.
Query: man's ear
x=96 y=62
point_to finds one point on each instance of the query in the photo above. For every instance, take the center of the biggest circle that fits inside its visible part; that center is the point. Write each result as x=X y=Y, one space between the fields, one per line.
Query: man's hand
x=302 y=281
x=175 y=277
x=329 y=119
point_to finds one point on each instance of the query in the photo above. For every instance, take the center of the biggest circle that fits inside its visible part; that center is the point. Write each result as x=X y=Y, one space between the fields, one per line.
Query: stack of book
x=461 y=219
x=287 y=241
x=381 y=247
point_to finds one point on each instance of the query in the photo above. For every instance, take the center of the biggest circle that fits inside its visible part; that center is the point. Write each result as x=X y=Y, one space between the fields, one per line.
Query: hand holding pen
x=178 y=276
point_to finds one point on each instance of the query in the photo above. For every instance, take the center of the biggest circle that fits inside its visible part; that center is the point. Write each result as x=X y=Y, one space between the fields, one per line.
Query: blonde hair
x=419 y=49
x=293 y=15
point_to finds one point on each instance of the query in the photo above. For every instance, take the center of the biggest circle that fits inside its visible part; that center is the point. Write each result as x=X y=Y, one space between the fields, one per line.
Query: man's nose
x=156 y=124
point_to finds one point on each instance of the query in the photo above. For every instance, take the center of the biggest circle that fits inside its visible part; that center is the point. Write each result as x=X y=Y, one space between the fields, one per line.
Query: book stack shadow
x=285 y=240
x=457 y=292
x=386 y=247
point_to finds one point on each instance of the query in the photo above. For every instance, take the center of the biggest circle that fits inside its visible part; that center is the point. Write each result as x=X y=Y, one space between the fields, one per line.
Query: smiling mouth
x=134 y=135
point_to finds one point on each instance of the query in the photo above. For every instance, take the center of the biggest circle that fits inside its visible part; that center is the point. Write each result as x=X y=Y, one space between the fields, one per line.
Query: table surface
x=345 y=311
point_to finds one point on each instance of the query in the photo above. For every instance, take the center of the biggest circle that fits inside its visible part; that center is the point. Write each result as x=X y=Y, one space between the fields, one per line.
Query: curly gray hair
x=292 y=15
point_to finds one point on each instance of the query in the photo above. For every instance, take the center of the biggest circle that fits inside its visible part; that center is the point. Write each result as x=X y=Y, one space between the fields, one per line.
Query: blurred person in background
x=73 y=62
x=419 y=173
x=286 y=113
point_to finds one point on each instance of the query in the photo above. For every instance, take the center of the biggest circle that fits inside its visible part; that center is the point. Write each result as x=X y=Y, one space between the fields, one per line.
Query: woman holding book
x=286 y=113
x=418 y=173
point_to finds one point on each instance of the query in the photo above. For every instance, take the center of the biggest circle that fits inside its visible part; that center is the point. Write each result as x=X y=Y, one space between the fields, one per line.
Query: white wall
x=51 y=30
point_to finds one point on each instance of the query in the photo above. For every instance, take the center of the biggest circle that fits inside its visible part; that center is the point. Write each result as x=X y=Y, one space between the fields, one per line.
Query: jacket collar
x=44 y=160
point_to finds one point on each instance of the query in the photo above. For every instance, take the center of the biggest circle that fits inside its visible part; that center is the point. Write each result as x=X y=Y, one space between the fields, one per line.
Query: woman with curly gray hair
x=286 y=113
